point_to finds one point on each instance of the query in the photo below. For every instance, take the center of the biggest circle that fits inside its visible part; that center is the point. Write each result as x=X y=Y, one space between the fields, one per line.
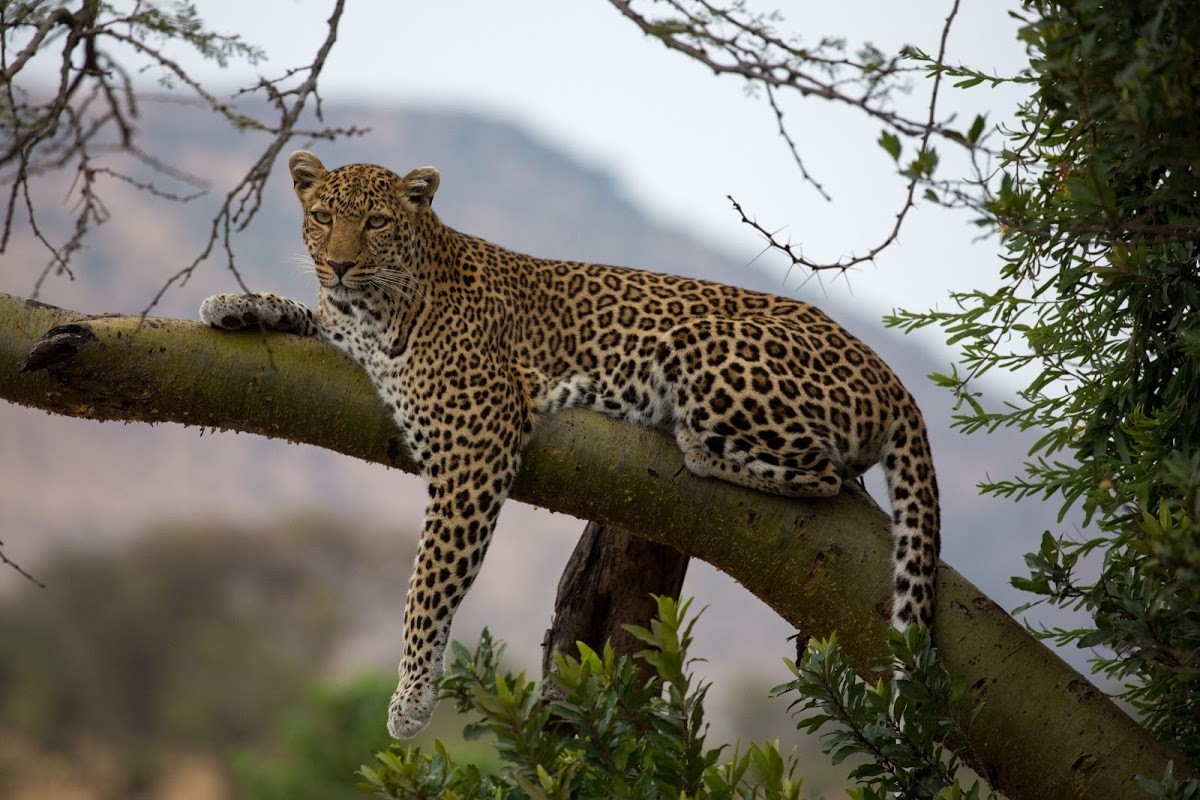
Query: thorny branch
x=787 y=138
x=85 y=125
x=76 y=114
x=736 y=41
x=243 y=201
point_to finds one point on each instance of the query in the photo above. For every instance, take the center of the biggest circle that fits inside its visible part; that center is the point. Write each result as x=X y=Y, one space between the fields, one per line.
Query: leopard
x=468 y=344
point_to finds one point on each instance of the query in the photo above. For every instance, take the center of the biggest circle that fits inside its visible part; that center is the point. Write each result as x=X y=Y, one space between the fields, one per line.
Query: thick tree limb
x=1044 y=732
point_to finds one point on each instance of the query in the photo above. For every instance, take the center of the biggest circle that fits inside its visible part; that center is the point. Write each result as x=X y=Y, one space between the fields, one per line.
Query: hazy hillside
x=66 y=481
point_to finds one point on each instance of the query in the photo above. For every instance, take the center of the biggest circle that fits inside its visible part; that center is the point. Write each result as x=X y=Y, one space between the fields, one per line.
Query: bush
x=605 y=731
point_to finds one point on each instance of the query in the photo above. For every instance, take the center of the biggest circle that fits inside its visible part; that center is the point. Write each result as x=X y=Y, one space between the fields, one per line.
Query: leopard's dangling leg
x=468 y=477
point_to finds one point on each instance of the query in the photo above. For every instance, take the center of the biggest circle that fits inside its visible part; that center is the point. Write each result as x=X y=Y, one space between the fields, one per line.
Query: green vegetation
x=201 y=646
x=313 y=749
x=900 y=727
x=1095 y=201
x=608 y=734
x=604 y=732
x=138 y=648
x=196 y=640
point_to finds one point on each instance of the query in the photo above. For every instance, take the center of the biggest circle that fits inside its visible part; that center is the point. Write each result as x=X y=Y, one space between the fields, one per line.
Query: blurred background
x=222 y=612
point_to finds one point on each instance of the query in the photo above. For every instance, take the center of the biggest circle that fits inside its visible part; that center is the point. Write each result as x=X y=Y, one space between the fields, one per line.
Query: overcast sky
x=677 y=138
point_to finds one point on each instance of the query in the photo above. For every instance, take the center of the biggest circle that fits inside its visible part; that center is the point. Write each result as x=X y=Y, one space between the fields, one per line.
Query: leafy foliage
x=172 y=646
x=1095 y=200
x=902 y=727
x=1170 y=786
x=604 y=733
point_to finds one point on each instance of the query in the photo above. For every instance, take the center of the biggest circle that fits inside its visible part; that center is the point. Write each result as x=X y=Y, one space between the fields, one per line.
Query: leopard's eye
x=322 y=217
x=377 y=221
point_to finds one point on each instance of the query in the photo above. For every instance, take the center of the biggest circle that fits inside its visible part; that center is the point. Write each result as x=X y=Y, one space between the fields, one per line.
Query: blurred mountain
x=67 y=482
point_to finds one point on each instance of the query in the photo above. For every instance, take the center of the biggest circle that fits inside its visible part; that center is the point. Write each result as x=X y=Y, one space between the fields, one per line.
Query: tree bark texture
x=822 y=564
x=608 y=583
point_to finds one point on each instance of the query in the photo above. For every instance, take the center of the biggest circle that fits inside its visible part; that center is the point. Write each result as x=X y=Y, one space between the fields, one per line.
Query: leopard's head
x=361 y=221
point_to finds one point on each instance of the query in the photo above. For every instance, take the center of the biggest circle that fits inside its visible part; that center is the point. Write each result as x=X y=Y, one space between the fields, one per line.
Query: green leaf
x=475 y=730
x=976 y=129
x=891 y=144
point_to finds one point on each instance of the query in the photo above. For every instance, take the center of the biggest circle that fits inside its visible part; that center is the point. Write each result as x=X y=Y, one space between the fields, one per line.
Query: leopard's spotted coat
x=468 y=342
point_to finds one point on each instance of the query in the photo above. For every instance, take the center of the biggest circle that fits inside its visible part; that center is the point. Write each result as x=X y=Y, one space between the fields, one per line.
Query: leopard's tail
x=916 y=518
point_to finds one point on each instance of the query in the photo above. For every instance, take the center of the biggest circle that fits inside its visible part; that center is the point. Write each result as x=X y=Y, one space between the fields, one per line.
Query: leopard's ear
x=419 y=186
x=306 y=171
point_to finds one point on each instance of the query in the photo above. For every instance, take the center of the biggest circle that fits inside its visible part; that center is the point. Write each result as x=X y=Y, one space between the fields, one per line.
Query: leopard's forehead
x=357 y=188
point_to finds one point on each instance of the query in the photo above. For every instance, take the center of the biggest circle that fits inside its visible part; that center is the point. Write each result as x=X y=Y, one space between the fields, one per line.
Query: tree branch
x=88 y=124
x=823 y=565
x=735 y=41
x=760 y=57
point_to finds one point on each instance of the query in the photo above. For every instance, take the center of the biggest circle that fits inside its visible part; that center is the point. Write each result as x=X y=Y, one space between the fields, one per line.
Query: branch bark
x=823 y=565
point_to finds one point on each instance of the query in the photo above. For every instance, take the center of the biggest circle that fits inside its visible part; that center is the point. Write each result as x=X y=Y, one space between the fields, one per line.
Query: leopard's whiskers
x=303 y=263
x=398 y=282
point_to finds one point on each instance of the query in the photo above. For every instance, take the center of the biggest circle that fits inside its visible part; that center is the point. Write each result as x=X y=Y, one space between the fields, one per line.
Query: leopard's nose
x=340 y=268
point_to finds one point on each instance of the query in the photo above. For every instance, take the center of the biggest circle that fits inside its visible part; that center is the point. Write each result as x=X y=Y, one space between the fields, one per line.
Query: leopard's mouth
x=356 y=280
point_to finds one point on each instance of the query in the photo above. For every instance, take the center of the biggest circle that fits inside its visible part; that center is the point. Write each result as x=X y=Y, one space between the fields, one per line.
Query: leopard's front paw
x=411 y=708
x=230 y=312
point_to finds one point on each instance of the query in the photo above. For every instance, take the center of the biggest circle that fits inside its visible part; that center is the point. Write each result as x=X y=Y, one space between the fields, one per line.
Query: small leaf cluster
x=902 y=729
x=605 y=729
x=1170 y=787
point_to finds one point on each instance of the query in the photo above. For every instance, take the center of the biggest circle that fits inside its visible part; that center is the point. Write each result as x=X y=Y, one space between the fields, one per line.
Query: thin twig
x=792 y=145
x=782 y=72
x=736 y=42
x=59 y=16
x=4 y=559
x=90 y=116
x=910 y=193
x=243 y=201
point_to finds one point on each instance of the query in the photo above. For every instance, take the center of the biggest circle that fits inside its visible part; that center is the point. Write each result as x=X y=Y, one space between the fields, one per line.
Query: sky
x=676 y=138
